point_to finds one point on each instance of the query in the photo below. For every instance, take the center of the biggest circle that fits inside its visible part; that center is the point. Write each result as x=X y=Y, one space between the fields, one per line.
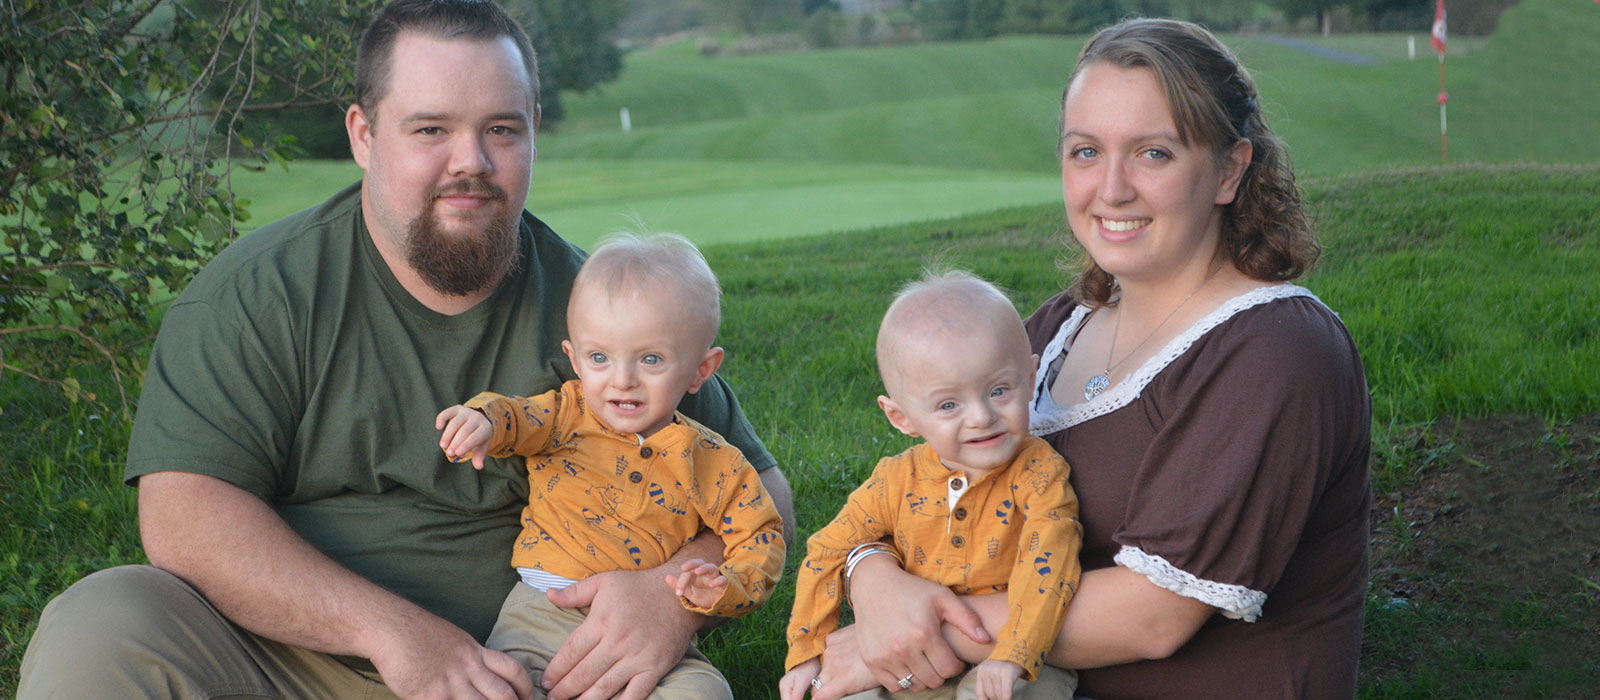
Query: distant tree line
x=970 y=19
x=837 y=23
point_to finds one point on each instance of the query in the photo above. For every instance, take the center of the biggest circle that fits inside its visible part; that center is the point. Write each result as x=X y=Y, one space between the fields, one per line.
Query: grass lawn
x=1463 y=287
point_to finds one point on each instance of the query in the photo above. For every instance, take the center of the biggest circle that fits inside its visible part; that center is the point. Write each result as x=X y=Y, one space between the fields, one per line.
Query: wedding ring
x=816 y=683
x=906 y=682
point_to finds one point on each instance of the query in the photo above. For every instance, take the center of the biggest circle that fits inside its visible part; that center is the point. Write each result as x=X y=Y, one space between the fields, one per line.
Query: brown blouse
x=1230 y=468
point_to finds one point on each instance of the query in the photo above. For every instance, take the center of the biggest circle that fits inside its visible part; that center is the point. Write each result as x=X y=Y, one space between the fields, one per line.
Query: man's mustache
x=467 y=186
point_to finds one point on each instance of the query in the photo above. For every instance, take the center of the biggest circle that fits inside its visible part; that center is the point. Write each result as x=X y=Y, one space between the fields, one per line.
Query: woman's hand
x=899 y=618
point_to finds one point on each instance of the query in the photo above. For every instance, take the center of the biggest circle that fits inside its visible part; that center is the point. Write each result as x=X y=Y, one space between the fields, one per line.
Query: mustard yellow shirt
x=1015 y=530
x=602 y=500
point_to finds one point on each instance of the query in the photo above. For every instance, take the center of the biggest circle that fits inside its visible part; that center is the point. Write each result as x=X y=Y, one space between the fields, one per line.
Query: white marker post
x=627 y=123
x=1438 y=41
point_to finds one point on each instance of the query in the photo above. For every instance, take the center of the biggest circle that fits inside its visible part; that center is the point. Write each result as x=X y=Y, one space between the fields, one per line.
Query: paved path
x=1323 y=51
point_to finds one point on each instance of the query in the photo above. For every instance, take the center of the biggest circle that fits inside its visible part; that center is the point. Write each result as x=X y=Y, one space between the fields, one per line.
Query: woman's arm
x=1116 y=617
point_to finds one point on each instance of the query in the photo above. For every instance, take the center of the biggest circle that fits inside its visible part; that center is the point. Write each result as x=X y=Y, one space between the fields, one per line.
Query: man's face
x=448 y=153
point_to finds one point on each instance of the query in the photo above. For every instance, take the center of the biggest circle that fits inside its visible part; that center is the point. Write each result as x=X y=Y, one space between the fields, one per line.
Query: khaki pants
x=1052 y=684
x=140 y=632
x=531 y=629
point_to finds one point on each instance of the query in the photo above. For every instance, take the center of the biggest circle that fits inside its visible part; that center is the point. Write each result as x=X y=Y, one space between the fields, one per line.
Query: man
x=307 y=537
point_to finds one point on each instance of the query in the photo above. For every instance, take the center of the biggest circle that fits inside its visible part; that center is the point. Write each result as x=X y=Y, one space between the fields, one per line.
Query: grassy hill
x=779 y=145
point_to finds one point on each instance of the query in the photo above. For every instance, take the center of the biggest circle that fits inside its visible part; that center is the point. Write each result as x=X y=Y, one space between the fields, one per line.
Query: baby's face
x=967 y=395
x=637 y=354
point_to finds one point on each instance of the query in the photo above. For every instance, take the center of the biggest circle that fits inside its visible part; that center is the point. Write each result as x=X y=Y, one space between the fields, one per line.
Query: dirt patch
x=1499 y=536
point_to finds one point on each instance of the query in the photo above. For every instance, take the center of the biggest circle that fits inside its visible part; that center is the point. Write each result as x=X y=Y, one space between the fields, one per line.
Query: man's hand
x=996 y=678
x=466 y=433
x=636 y=631
x=701 y=583
x=428 y=658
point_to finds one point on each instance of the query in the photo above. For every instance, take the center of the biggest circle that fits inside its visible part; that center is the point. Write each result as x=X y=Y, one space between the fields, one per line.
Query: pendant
x=1095 y=385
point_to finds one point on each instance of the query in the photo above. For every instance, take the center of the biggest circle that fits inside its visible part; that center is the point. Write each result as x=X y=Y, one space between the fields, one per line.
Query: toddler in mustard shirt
x=618 y=478
x=980 y=506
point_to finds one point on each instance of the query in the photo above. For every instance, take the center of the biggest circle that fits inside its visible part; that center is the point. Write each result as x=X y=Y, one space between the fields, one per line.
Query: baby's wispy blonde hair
x=655 y=263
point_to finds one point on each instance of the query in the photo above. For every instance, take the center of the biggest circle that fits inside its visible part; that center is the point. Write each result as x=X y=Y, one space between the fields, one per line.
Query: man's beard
x=461 y=265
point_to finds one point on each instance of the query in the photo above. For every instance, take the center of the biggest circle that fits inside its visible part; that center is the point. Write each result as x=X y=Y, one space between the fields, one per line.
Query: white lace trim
x=1043 y=420
x=1237 y=602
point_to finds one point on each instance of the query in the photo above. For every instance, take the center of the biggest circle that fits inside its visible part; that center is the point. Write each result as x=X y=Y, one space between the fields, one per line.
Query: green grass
x=714 y=202
x=1451 y=280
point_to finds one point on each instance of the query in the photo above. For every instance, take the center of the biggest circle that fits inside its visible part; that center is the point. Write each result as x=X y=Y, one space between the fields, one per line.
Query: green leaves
x=120 y=121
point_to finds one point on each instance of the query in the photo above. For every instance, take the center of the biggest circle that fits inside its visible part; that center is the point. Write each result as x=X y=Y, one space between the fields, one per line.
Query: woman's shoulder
x=1271 y=339
x=1284 y=321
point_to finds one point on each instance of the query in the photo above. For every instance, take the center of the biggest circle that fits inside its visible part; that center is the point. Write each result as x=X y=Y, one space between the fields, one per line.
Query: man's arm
x=263 y=576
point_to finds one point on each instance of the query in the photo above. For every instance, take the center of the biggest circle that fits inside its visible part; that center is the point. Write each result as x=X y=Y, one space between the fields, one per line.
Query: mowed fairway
x=762 y=147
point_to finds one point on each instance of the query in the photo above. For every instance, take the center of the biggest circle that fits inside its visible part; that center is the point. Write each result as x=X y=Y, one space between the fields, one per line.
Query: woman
x=1216 y=418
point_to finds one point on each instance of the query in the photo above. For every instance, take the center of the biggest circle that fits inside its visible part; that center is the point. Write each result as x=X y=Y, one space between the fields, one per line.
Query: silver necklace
x=1099 y=382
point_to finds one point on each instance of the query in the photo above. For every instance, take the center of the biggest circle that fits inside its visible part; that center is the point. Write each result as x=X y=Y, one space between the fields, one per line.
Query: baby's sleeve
x=819 y=592
x=523 y=426
x=1045 y=576
x=742 y=513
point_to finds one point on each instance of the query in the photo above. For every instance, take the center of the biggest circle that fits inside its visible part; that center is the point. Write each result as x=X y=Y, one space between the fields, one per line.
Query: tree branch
x=111 y=360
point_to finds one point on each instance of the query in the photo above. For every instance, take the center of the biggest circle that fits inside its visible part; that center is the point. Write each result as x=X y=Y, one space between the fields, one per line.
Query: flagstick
x=1444 y=138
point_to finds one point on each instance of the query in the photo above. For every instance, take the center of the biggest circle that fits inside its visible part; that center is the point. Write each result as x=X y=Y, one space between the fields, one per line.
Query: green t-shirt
x=297 y=368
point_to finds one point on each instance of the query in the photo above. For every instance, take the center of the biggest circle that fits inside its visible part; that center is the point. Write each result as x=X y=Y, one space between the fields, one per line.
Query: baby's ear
x=897 y=417
x=708 y=366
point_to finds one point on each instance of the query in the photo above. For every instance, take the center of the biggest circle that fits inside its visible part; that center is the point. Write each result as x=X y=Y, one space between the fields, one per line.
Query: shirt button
x=636 y=477
x=958 y=541
x=961 y=514
x=957 y=483
x=645 y=452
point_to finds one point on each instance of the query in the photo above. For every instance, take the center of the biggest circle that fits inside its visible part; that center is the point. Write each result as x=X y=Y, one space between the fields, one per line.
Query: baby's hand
x=996 y=678
x=466 y=434
x=700 y=583
x=799 y=679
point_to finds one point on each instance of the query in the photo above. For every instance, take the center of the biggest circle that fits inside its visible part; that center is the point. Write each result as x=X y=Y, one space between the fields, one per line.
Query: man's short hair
x=661 y=263
x=482 y=20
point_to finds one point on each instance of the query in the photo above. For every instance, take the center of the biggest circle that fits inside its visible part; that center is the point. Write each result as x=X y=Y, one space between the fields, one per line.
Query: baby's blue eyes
x=997 y=392
x=947 y=406
x=598 y=358
x=651 y=359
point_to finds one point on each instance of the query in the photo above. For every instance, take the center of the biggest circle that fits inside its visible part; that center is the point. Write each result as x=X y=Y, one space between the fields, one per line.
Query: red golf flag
x=1438 y=28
